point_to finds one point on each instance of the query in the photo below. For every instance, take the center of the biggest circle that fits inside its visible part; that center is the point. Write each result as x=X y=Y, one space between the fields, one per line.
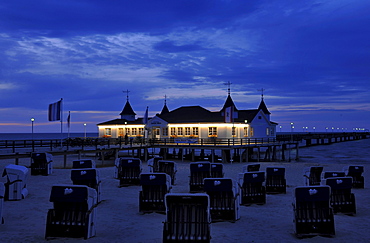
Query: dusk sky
x=312 y=58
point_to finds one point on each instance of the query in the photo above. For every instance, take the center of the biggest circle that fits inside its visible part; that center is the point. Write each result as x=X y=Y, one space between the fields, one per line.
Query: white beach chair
x=15 y=186
x=41 y=164
x=89 y=177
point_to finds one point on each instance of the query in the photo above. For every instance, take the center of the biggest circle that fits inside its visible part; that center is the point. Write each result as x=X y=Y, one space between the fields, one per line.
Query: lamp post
x=32 y=120
x=85 y=130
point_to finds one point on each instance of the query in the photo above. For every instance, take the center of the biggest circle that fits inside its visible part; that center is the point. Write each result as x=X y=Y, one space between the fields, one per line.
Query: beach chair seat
x=275 y=180
x=153 y=163
x=41 y=164
x=168 y=167
x=251 y=167
x=187 y=218
x=313 y=175
x=154 y=187
x=199 y=171
x=83 y=163
x=253 y=190
x=2 y=193
x=16 y=182
x=328 y=174
x=129 y=171
x=73 y=213
x=356 y=171
x=89 y=177
x=224 y=198
x=217 y=170
x=342 y=199
x=313 y=214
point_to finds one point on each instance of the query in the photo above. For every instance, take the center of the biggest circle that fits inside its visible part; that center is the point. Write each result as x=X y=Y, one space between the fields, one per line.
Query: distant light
x=32 y=119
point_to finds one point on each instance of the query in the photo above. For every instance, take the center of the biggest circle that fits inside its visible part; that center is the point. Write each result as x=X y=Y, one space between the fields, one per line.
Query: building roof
x=138 y=121
x=165 y=109
x=263 y=107
x=229 y=102
x=127 y=110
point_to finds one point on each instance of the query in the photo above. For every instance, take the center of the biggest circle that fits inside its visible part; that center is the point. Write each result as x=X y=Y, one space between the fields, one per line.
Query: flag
x=146 y=116
x=55 y=111
x=229 y=114
x=69 y=120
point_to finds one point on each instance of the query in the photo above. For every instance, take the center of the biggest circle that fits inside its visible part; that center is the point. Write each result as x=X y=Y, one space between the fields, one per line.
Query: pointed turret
x=228 y=103
x=127 y=112
x=165 y=108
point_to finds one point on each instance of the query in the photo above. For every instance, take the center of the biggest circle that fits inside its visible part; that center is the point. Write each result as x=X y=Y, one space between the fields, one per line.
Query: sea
x=35 y=136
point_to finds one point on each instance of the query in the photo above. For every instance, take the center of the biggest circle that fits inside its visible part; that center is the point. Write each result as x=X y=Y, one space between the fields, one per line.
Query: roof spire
x=127 y=91
x=165 y=108
x=261 y=92
x=228 y=87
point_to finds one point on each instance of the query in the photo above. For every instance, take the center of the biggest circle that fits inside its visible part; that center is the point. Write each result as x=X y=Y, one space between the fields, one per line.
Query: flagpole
x=61 y=122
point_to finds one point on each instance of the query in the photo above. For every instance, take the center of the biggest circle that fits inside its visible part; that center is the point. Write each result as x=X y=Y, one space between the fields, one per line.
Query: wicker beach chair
x=251 y=167
x=328 y=174
x=342 y=199
x=129 y=171
x=16 y=182
x=187 y=218
x=199 y=171
x=153 y=163
x=89 y=177
x=217 y=170
x=83 y=163
x=275 y=180
x=168 y=167
x=2 y=193
x=355 y=171
x=312 y=175
x=313 y=214
x=252 y=186
x=73 y=213
x=154 y=187
x=41 y=164
x=224 y=198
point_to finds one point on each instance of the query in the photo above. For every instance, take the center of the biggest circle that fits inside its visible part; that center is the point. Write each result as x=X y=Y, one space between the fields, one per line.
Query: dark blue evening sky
x=312 y=58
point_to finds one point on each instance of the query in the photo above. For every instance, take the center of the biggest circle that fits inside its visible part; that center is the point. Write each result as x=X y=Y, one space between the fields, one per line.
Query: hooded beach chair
x=41 y=164
x=275 y=180
x=89 y=177
x=217 y=170
x=154 y=186
x=313 y=175
x=224 y=198
x=83 y=163
x=355 y=171
x=313 y=214
x=187 y=218
x=73 y=213
x=16 y=182
x=342 y=199
x=2 y=193
x=328 y=174
x=153 y=163
x=252 y=186
x=168 y=167
x=251 y=167
x=129 y=170
x=199 y=171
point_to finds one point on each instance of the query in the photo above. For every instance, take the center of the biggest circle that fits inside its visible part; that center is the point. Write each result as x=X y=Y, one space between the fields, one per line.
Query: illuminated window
x=187 y=131
x=127 y=131
x=173 y=131
x=108 y=132
x=267 y=131
x=233 y=131
x=252 y=132
x=134 y=131
x=141 y=131
x=212 y=131
x=165 y=131
x=179 y=131
x=120 y=132
x=245 y=131
x=195 y=131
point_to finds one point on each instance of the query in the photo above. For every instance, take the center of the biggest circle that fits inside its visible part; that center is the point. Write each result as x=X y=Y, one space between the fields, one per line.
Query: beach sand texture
x=119 y=220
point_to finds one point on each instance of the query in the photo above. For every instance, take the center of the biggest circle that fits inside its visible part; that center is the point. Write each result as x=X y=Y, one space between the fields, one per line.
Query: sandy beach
x=119 y=220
